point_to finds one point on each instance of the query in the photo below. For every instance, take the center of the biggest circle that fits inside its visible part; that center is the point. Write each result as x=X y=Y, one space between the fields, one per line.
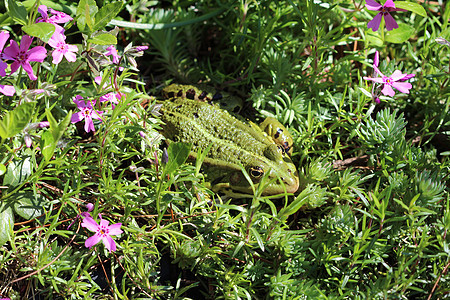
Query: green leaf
x=27 y=205
x=58 y=130
x=412 y=7
x=374 y=38
x=399 y=35
x=42 y=30
x=48 y=145
x=104 y=39
x=106 y=14
x=86 y=11
x=17 y=172
x=178 y=153
x=6 y=223
x=16 y=120
x=17 y=12
x=2 y=169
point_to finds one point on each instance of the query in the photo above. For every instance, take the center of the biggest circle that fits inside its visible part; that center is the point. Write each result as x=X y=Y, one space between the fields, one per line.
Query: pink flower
x=86 y=112
x=57 y=41
x=383 y=12
x=22 y=56
x=396 y=80
x=112 y=51
x=112 y=97
x=4 y=35
x=103 y=232
x=58 y=17
x=7 y=90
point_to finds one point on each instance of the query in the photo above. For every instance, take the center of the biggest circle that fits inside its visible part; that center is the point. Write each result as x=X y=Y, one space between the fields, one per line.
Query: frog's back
x=202 y=124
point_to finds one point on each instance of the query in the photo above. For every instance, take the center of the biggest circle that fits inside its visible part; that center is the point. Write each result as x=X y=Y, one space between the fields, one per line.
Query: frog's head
x=279 y=134
x=277 y=166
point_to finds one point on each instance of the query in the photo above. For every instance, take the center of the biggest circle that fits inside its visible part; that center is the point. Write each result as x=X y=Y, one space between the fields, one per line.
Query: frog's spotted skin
x=271 y=126
x=203 y=93
x=234 y=143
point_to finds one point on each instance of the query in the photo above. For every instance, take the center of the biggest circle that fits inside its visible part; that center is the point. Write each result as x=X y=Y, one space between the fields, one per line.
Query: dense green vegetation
x=369 y=220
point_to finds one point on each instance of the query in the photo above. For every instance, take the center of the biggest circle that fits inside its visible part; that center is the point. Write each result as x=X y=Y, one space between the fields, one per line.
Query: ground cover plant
x=96 y=205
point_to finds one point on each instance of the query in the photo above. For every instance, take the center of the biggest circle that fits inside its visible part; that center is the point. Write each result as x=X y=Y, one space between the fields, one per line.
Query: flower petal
x=390 y=22
x=376 y=59
x=77 y=117
x=109 y=243
x=373 y=5
x=114 y=229
x=403 y=87
x=92 y=240
x=43 y=10
x=3 y=67
x=407 y=77
x=88 y=124
x=38 y=53
x=389 y=3
x=387 y=90
x=96 y=115
x=375 y=79
x=90 y=224
x=25 y=43
x=14 y=66
x=397 y=75
x=4 y=35
x=70 y=56
x=11 y=51
x=57 y=57
x=375 y=22
x=7 y=90
x=27 y=67
x=104 y=223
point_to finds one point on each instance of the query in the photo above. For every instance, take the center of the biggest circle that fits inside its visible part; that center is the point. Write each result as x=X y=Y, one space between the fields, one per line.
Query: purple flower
x=103 y=232
x=112 y=51
x=383 y=12
x=22 y=56
x=396 y=80
x=7 y=90
x=86 y=112
x=58 y=17
x=57 y=41
x=4 y=35
x=111 y=97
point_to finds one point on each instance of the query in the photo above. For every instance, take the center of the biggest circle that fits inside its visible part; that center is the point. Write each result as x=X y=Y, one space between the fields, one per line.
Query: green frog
x=234 y=143
x=233 y=104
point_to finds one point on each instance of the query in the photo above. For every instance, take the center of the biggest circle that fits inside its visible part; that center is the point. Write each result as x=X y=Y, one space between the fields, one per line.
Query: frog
x=204 y=93
x=271 y=126
x=234 y=144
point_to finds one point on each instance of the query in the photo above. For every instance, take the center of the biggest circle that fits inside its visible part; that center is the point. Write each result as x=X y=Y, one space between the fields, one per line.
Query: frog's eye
x=281 y=149
x=256 y=172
